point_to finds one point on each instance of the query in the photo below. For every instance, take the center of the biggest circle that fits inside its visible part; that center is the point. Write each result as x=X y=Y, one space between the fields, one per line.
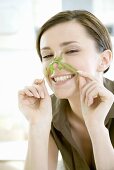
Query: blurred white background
x=20 y=64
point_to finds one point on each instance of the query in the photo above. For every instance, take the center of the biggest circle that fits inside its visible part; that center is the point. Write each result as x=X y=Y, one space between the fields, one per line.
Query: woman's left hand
x=96 y=100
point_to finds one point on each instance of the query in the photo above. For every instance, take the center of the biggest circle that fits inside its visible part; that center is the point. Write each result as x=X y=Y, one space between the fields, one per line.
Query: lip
x=59 y=75
x=61 y=82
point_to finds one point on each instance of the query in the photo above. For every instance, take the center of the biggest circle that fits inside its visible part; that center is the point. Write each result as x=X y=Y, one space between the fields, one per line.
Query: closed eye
x=71 y=51
x=47 y=56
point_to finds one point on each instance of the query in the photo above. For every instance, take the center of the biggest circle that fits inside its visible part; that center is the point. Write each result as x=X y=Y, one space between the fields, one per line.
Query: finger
x=32 y=91
x=89 y=101
x=38 y=81
x=90 y=87
x=82 y=82
x=23 y=98
x=91 y=96
x=43 y=85
x=87 y=89
x=87 y=75
x=21 y=94
x=40 y=90
x=28 y=92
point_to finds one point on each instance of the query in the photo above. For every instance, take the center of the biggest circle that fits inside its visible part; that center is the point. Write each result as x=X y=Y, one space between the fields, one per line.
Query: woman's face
x=77 y=48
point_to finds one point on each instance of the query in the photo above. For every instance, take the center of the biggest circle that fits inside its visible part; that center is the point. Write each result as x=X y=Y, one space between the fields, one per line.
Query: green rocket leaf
x=61 y=65
x=51 y=69
x=69 y=68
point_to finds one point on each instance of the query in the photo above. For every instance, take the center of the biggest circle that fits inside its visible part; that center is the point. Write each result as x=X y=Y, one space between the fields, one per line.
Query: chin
x=64 y=94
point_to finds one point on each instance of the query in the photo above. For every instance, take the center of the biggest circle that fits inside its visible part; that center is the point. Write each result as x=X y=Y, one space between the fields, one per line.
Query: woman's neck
x=75 y=108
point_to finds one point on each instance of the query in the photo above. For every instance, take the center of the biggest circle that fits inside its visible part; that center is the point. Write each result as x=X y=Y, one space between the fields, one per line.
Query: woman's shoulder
x=58 y=105
x=109 y=84
x=55 y=102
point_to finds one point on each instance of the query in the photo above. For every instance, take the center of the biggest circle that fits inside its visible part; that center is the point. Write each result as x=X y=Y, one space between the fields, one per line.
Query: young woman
x=78 y=119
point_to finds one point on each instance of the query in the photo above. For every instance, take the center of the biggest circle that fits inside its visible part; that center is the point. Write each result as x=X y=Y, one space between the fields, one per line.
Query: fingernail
x=90 y=102
x=42 y=94
x=31 y=95
x=39 y=81
x=37 y=95
x=80 y=72
x=95 y=96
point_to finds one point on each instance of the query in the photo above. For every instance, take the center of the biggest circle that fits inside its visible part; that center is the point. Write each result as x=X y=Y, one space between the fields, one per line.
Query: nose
x=58 y=54
x=57 y=60
x=55 y=65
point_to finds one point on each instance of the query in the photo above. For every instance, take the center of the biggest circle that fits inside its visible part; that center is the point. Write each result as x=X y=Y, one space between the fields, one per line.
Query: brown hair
x=93 y=26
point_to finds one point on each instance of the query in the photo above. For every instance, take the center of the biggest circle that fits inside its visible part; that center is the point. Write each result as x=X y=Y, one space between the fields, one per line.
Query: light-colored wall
x=77 y=4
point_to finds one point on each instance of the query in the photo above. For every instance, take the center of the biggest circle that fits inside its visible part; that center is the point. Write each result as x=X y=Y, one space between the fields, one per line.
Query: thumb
x=82 y=82
x=41 y=82
x=45 y=88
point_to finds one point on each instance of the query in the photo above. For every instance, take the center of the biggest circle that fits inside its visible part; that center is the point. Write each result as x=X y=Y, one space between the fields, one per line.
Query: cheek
x=84 y=64
x=76 y=63
x=44 y=66
x=89 y=66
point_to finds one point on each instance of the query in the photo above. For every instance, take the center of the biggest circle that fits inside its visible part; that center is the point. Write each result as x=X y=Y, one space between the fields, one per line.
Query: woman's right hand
x=35 y=103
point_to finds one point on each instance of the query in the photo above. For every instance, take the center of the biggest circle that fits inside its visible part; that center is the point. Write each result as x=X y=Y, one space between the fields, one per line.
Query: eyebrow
x=67 y=43
x=61 y=45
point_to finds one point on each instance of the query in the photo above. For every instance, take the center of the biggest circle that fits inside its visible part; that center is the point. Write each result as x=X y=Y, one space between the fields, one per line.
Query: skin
x=85 y=91
x=86 y=58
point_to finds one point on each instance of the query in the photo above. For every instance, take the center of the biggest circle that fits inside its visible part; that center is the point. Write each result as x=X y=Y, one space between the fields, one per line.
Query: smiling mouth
x=62 y=78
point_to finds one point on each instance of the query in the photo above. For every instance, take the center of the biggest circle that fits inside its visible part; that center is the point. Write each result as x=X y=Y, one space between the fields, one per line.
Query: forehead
x=68 y=31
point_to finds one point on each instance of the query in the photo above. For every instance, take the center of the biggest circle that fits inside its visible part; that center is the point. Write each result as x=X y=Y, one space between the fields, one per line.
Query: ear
x=104 y=61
